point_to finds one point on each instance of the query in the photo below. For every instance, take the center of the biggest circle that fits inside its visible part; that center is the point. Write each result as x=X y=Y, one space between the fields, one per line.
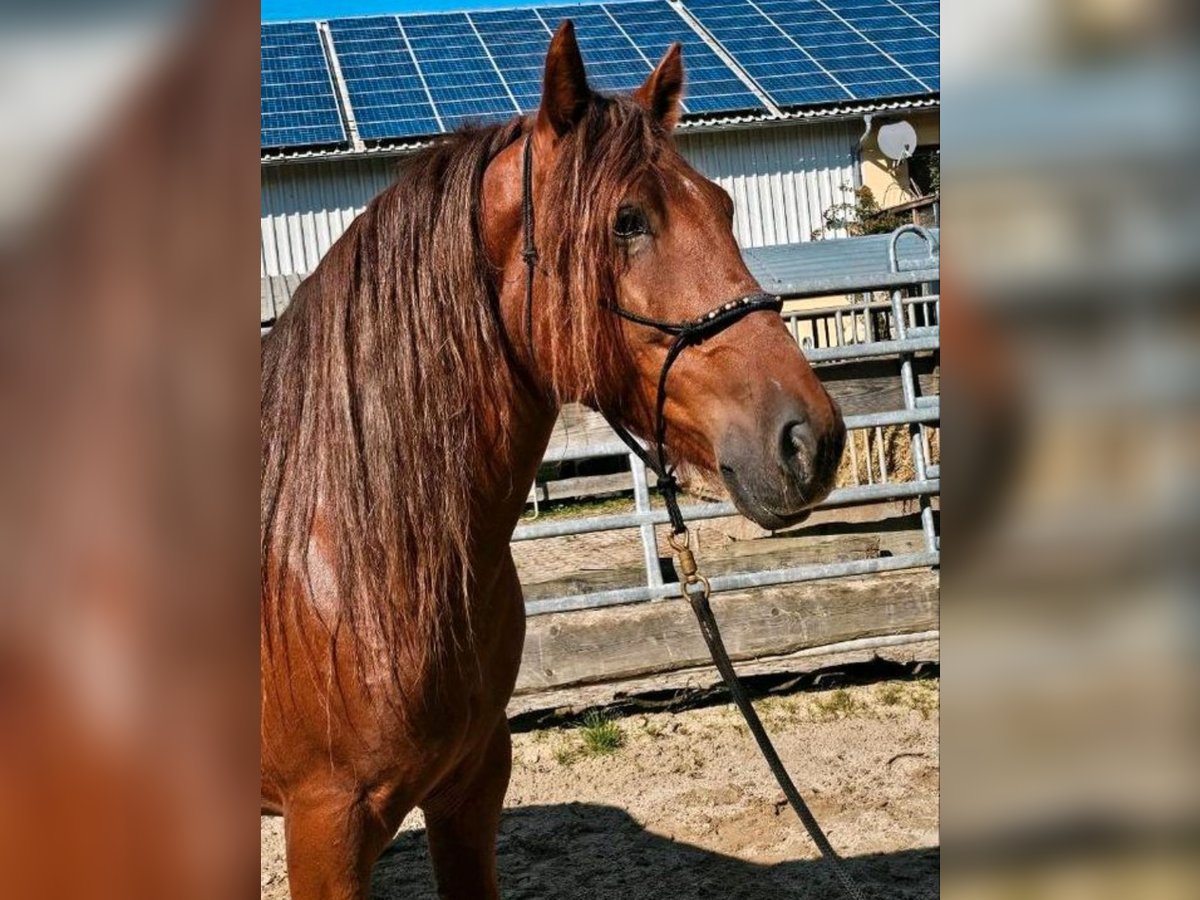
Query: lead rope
x=698 y=599
x=696 y=589
x=693 y=586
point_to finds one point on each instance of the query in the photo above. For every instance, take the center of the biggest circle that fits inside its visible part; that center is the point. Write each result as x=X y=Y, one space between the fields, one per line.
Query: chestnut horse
x=406 y=403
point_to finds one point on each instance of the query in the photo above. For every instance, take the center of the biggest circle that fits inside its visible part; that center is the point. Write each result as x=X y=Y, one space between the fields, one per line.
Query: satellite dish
x=897 y=140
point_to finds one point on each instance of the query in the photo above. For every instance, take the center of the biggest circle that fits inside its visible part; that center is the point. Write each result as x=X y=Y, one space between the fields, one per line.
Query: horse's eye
x=630 y=223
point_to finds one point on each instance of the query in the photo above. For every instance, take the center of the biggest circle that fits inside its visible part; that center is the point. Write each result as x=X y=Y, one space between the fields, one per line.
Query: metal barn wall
x=305 y=207
x=781 y=178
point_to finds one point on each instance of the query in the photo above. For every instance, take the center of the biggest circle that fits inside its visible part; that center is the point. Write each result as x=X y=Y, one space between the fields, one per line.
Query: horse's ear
x=565 y=91
x=662 y=90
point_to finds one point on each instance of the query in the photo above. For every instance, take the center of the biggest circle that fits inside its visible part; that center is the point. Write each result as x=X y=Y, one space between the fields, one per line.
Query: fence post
x=908 y=384
x=641 y=499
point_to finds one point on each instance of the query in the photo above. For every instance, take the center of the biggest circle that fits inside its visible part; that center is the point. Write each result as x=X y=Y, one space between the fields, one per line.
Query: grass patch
x=566 y=756
x=923 y=698
x=597 y=736
x=775 y=711
x=651 y=729
x=839 y=704
x=571 y=509
x=601 y=735
x=891 y=694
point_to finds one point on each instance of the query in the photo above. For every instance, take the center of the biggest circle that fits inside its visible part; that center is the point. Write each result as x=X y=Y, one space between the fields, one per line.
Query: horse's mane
x=383 y=382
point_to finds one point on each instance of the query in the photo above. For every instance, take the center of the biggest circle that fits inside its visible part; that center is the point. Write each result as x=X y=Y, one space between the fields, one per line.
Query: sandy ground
x=685 y=808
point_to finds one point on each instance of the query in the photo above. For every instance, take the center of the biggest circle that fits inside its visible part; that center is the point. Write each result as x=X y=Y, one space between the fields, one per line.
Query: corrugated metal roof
x=861 y=108
x=813 y=268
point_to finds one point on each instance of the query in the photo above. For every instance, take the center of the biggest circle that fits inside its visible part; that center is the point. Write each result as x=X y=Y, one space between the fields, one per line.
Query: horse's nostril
x=798 y=440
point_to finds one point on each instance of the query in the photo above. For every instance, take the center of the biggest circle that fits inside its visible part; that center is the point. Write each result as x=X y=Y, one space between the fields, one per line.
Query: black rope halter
x=529 y=252
x=687 y=334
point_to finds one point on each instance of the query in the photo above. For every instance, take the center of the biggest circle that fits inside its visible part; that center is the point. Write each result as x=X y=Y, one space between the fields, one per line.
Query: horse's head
x=621 y=220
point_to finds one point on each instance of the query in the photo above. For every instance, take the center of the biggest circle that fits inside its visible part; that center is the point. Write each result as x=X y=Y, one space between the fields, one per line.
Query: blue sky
x=276 y=10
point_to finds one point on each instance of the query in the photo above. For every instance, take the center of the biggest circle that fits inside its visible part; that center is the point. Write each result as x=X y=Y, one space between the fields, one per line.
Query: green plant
x=891 y=694
x=923 y=698
x=652 y=729
x=601 y=735
x=840 y=704
x=565 y=755
x=862 y=216
x=925 y=171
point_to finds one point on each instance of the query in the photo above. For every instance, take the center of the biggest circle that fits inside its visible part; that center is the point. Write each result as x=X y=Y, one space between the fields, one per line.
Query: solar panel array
x=821 y=51
x=299 y=106
x=413 y=75
x=385 y=90
x=621 y=42
x=711 y=85
x=517 y=40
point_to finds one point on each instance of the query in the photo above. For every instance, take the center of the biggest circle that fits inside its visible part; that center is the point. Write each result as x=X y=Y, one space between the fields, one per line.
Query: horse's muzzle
x=776 y=472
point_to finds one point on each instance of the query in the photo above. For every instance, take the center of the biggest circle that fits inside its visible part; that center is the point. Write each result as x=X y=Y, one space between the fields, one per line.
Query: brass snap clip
x=688 y=570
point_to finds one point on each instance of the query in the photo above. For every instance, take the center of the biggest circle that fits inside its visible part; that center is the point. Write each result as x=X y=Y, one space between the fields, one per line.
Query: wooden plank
x=781 y=552
x=702 y=679
x=587 y=486
x=592 y=646
x=578 y=426
x=873 y=385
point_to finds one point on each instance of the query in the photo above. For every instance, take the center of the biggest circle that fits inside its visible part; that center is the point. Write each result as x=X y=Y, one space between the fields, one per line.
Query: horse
x=408 y=394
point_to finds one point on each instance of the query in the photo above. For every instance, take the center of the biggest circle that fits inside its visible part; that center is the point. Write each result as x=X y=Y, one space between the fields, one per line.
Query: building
x=783 y=104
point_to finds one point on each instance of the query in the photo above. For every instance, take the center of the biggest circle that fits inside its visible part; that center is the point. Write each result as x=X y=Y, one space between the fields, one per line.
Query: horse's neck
x=502 y=490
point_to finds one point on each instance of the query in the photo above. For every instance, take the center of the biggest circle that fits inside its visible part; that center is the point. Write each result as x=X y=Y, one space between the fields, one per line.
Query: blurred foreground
x=1070 y=622
x=128 y=204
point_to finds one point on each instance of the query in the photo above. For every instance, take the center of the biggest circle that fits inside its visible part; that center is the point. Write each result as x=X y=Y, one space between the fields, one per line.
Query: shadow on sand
x=582 y=851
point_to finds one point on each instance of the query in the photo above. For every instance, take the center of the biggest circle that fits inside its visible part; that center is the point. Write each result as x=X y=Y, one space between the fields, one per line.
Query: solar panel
x=298 y=107
x=621 y=43
x=813 y=51
x=711 y=85
x=851 y=56
x=927 y=12
x=614 y=64
x=417 y=75
x=918 y=48
x=774 y=59
x=463 y=80
x=517 y=40
x=387 y=91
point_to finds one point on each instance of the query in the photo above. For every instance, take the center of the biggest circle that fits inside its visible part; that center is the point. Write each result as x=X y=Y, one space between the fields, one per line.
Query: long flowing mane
x=383 y=384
